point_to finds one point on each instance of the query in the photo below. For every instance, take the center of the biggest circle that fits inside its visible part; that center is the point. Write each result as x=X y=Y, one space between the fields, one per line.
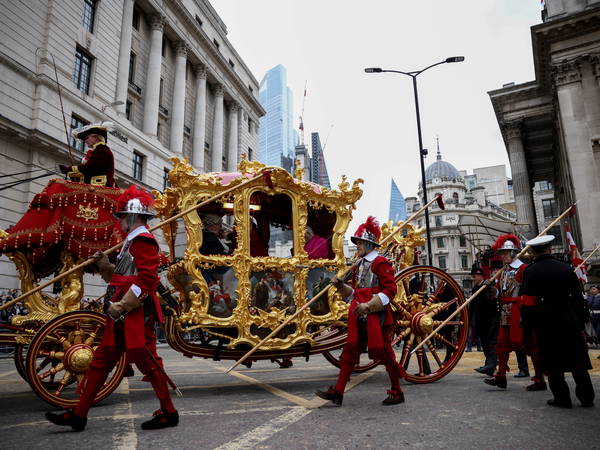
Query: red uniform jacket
x=384 y=271
x=99 y=162
x=515 y=327
x=144 y=250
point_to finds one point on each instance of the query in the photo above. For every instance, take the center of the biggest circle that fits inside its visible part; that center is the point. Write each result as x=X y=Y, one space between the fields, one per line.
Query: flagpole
x=587 y=258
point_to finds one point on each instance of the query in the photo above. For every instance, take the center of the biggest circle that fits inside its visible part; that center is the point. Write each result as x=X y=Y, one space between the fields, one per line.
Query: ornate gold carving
x=188 y=188
x=87 y=212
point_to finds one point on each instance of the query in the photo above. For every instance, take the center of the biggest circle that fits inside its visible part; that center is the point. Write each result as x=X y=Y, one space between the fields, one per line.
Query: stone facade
x=551 y=126
x=451 y=249
x=163 y=72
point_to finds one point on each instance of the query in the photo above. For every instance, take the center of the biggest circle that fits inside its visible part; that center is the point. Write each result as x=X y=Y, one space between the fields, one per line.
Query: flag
x=575 y=256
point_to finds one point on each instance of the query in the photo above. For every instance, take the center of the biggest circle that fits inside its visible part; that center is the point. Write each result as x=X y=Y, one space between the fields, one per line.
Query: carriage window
x=271 y=221
x=272 y=289
x=218 y=231
x=223 y=294
x=319 y=233
x=316 y=281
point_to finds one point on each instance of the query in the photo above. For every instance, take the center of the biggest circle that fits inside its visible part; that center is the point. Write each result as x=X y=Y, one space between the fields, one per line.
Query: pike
x=587 y=258
x=570 y=211
x=266 y=174
x=437 y=198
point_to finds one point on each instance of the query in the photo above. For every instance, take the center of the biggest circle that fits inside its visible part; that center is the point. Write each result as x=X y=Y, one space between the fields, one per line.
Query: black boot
x=394 y=397
x=331 y=394
x=497 y=380
x=67 y=419
x=161 y=419
x=537 y=385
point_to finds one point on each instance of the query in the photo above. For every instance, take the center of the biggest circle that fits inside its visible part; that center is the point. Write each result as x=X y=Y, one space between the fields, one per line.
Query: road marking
x=260 y=434
x=124 y=436
x=315 y=402
x=122 y=417
x=5 y=374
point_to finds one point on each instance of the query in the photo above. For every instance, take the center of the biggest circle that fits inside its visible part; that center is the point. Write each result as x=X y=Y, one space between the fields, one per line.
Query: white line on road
x=5 y=374
x=265 y=431
x=126 y=439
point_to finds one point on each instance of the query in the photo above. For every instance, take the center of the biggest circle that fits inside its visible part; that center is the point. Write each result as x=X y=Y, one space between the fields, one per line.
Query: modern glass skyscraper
x=397 y=204
x=276 y=134
x=319 y=173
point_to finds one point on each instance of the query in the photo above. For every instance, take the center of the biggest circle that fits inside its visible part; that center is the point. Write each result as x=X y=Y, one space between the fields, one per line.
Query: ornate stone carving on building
x=157 y=22
x=512 y=129
x=181 y=48
x=567 y=71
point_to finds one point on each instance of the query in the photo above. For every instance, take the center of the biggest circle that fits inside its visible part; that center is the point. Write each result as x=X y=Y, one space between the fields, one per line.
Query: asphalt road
x=268 y=407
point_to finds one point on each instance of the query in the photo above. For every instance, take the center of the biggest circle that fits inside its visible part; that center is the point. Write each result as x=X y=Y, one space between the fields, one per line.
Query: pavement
x=270 y=408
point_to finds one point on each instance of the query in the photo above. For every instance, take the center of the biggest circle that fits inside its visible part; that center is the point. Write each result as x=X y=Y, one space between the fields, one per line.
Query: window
x=250 y=89
x=550 y=208
x=198 y=20
x=455 y=198
x=231 y=63
x=77 y=122
x=249 y=154
x=160 y=91
x=89 y=13
x=83 y=70
x=164 y=47
x=438 y=221
x=249 y=125
x=128 y=106
x=545 y=186
x=462 y=241
x=158 y=131
x=135 y=20
x=165 y=178
x=440 y=242
x=132 y=68
x=138 y=165
x=216 y=43
x=464 y=261
x=442 y=262
x=467 y=285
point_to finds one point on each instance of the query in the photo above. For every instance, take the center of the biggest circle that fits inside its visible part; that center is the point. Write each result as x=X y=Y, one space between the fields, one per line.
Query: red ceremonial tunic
x=144 y=250
x=510 y=300
x=384 y=272
x=99 y=162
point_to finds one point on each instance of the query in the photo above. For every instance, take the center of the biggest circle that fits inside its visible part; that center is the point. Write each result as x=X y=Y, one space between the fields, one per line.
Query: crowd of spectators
x=17 y=309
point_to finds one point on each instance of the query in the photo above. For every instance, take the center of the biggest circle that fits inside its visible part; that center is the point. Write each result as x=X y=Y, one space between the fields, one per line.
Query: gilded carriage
x=221 y=301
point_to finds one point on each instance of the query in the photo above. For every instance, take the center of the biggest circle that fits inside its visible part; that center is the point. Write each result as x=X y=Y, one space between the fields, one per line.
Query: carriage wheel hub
x=422 y=324
x=78 y=358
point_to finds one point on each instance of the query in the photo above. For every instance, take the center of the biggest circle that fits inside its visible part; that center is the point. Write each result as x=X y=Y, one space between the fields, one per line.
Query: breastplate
x=365 y=278
x=125 y=264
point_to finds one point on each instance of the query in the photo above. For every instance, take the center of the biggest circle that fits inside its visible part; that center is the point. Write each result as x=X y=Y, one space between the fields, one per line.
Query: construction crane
x=301 y=127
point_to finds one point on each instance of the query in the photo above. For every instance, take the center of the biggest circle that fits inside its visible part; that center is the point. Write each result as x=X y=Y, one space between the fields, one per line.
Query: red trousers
x=505 y=346
x=105 y=359
x=351 y=356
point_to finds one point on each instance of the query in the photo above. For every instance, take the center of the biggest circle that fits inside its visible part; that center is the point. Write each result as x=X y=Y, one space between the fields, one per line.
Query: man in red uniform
x=512 y=336
x=98 y=164
x=133 y=308
x=369 y=316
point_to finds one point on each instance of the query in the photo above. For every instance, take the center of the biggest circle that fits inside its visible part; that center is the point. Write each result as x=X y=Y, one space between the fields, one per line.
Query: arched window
x=455 y=198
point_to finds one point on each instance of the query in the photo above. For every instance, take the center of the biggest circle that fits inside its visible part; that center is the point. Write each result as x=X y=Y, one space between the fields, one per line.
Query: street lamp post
x=422 y=152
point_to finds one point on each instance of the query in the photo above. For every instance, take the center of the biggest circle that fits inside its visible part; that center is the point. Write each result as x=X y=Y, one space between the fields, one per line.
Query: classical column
x=578 y=93
x=178 y=108
x=520 y=177
x=124 y=54
x=199 y=119
x=232 y=152
x=217 y=141
x=151 y=94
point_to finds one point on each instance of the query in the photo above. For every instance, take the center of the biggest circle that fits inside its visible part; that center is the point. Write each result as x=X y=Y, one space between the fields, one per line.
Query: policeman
x=553 y=305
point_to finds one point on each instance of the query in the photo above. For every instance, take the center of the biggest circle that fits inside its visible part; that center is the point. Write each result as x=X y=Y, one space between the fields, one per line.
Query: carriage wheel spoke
x=92 y=335
x=406 y=351
x=434 y=353
x=420 y=360
x=436 y=309
x=440 y=288
x=445 y=341
x=401 y=336
x=65 y=380
x=437 y=323
x=52 y=371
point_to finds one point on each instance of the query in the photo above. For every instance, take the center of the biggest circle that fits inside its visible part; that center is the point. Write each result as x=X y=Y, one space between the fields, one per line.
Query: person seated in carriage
x=370 y=320
x=98 y=165
x=132 y=308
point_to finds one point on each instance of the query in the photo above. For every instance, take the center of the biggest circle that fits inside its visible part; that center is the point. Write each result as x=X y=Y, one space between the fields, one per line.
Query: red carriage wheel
x=61 y=352
x=426 y=297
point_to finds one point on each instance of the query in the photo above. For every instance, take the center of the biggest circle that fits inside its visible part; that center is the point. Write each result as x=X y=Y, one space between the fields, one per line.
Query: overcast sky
x=328 y=43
